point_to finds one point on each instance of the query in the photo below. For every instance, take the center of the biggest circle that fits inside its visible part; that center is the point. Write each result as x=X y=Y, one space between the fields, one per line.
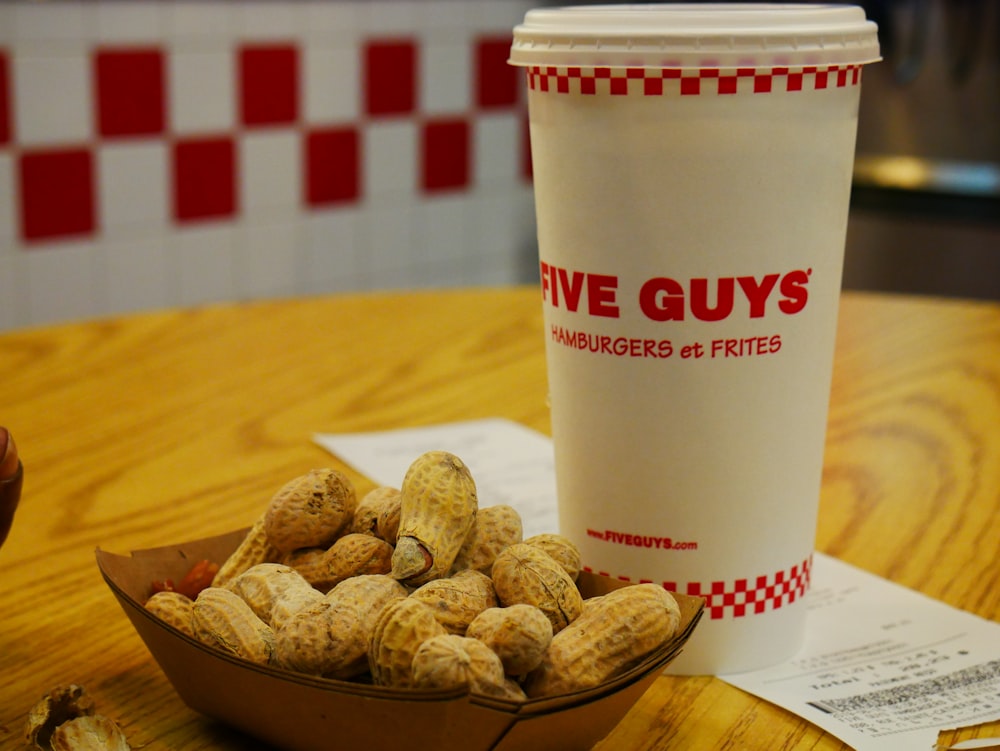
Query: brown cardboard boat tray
x=302 y=713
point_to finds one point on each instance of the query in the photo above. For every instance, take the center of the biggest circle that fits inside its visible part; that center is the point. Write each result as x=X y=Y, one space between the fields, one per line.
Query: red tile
x=496 y=81
x=57 y=194
x=445 y=155
x=390 y=77
x=204 y=172
x=130 y=92
x=332 y=169
x=269 y=84
x=5 y=97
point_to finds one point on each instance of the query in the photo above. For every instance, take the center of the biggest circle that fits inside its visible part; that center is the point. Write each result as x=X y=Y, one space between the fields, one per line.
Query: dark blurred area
x=925 y=210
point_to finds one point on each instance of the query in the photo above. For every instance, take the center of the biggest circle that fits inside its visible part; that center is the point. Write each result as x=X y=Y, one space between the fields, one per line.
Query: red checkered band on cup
x=689 y=82
x=739 y=598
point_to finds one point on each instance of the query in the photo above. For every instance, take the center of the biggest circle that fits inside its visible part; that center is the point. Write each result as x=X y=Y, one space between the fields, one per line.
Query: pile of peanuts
x=417 y=587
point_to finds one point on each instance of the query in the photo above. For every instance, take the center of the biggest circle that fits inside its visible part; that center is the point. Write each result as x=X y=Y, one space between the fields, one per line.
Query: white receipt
x=883 y=667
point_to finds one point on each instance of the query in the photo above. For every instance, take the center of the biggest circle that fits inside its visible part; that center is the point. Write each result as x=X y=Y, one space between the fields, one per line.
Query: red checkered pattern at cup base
x=689 y=82
x=742 y=597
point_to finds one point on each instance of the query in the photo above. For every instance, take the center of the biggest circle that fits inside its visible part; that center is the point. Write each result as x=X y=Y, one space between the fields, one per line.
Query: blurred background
x=925 y=215
x=177 y=152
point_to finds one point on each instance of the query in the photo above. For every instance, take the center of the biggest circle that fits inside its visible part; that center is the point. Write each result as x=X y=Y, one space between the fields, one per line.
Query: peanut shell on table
x=310 y=511
x=524 y=574
x=438 y=507
x=89 y=733
x=57 y=706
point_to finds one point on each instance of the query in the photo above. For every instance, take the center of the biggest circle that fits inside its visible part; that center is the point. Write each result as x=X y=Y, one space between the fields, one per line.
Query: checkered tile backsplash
x=176 y=152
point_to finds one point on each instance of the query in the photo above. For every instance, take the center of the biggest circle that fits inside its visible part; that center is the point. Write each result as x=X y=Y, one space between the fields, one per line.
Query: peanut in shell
x=524 y=574
x=452 y=661
x=310 y=511
x=494 y=528
x=458 y=599
x=254 y=548
x=401 y=627
x=380 y=503
x=174 y=609
x=224 y=621
x=331 y=639
x=437 y=510
x=518 y=634
x=562 y=550
x=312 y=565
x=355 y=554
x=611 y=636
x=316 y=639
x=263 y=586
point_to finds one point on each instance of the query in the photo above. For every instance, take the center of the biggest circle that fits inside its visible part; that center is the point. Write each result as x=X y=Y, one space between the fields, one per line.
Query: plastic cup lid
x=696 y=36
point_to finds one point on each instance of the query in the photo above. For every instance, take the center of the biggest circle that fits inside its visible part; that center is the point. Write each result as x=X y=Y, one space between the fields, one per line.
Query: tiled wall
x=159 y=152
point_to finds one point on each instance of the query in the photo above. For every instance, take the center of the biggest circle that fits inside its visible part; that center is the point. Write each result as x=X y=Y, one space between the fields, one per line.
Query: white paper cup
x=692 y=169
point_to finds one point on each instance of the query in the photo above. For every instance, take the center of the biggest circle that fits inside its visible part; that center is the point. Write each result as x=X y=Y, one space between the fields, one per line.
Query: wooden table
x=155 y=428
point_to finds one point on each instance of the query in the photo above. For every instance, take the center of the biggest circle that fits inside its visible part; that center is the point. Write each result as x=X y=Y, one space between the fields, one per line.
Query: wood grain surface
x=149 y=429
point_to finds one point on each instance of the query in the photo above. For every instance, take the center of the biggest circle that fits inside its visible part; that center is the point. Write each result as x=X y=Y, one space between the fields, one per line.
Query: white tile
x=136 y=274
x=54 y=22
x=495 y=218
x=332 y=251
x=8 y=191
x=389 y=158
x=391 y=246
x=505 y=234
x=201 y=260
x=264 y=19
x=197 y=19
x=52 y=99
x=492 y=17
x=13 y=286
x=132 y=182
x=389 y=17
x=443 y=231
x=265 y=260
x=332 y=20
x=270 y=171
x=135 y=21
x=60 y=282
x=497 y=149
x=444 y=16
x=445 y=77
x=8 y=31
x=331 y=83
x=202 y=91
